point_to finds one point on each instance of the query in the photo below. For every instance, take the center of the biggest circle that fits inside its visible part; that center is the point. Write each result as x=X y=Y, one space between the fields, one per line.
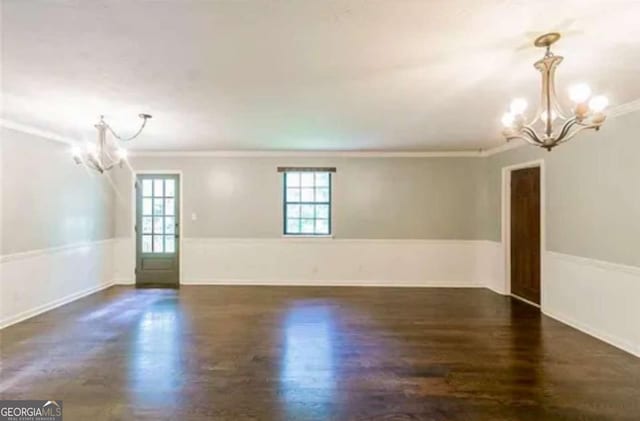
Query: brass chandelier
x=552 y=125
x=105 y=154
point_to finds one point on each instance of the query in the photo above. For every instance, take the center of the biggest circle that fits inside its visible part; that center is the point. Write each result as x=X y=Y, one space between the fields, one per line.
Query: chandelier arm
x=126 y=139
x=581 y=127
x=565 y=128
x=95 y=164
x=532 y=134
x=527 y=139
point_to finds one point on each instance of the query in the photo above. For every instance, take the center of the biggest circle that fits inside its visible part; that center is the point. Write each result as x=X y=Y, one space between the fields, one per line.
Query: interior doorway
x=157 y=230
x=525 y=233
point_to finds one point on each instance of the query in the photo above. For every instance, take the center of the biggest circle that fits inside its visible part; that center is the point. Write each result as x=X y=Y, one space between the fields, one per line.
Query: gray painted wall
x=592 y=192
x=592 y=202
x=47 y=200
x=431 y=198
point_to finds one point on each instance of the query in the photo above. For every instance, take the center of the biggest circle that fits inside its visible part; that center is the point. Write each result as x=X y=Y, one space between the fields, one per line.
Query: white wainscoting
x=596 y=297
x=124 y=261
x=490 y=266
x=599 y=298
x=320 y=261
x=325 y=261
x=37 y=281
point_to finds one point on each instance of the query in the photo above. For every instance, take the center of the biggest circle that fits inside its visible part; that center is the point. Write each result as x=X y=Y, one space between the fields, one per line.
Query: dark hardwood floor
x=296 y=353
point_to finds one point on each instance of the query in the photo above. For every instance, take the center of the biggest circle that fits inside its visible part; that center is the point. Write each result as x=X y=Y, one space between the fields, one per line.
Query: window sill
x=327 y=236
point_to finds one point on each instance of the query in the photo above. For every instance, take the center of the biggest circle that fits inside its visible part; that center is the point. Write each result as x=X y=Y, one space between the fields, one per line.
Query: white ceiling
x=303 y=75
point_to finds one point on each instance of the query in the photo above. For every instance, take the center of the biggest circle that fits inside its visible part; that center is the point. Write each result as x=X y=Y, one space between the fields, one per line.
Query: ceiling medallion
x=105 y=154
x=551 y=125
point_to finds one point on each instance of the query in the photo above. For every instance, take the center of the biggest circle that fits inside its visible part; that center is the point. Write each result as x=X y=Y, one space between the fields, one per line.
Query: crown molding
x=514 y=144
x=309 y=154
x=27 y=129
x=616 y=111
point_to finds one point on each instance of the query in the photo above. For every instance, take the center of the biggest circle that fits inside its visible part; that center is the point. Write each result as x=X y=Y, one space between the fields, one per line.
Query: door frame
x=506 y=225
x=134 y=208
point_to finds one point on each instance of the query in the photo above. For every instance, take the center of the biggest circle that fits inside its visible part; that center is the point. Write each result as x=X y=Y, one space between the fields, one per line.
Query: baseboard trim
x=316 y=283
x=52 y=305
x=124 y=282
x=626 y=346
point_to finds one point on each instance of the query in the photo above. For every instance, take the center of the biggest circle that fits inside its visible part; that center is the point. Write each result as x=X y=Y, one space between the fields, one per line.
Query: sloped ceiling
x=303 y=75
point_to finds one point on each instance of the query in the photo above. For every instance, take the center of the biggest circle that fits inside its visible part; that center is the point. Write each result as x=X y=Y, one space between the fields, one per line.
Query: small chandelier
x=104 y=155
x=551 y=125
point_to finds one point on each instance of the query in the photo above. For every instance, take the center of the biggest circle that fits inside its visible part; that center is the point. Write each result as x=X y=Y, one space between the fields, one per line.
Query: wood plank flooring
x=311 y=353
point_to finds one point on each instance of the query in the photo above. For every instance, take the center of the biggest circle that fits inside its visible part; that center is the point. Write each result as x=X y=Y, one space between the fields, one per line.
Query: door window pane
x=158 y=188
x=158 y=246
x=146 y=244
x=169 y=188
x=307 y=203
x=147 y=225
x=158 y=206
x=147 y=188
x=146 y=206
x=169 y=225
x=157 y=225
x=169 y=244
x=169 y=206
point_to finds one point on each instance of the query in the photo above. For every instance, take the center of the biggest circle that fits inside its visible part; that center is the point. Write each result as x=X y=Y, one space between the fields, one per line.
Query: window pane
x=147 y=187
x=322 y=194
x=307 y=226
x=169 y=225
x=169 y=188
x=293 y=226
x=293 y=195
x=322 y=179
x=169 y=244
x=146 y=244
x=322 y=226
x=306 y=179
x=307 y=211
x=322 y=211
x=293 y=211
x=157 y=225
x=307 y=195
x=146 y=206
x=158 y=206
x=157 y=187
x=158 y=246
x=169 y=206
x=147 y=224
x=293 y=179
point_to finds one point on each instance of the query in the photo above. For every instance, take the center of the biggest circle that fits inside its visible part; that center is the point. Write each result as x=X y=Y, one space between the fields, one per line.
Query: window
x=307 y=202
x=158 y=215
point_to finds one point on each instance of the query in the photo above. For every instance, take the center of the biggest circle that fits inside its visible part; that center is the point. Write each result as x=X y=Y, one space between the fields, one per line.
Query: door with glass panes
x=157 y=230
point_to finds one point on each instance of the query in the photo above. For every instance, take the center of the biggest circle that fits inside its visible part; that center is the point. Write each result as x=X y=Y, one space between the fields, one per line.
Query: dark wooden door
x=525 y=234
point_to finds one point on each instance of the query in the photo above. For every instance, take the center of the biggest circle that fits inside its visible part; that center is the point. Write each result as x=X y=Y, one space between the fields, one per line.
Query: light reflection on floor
x=155 y=369
x=307 y=376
